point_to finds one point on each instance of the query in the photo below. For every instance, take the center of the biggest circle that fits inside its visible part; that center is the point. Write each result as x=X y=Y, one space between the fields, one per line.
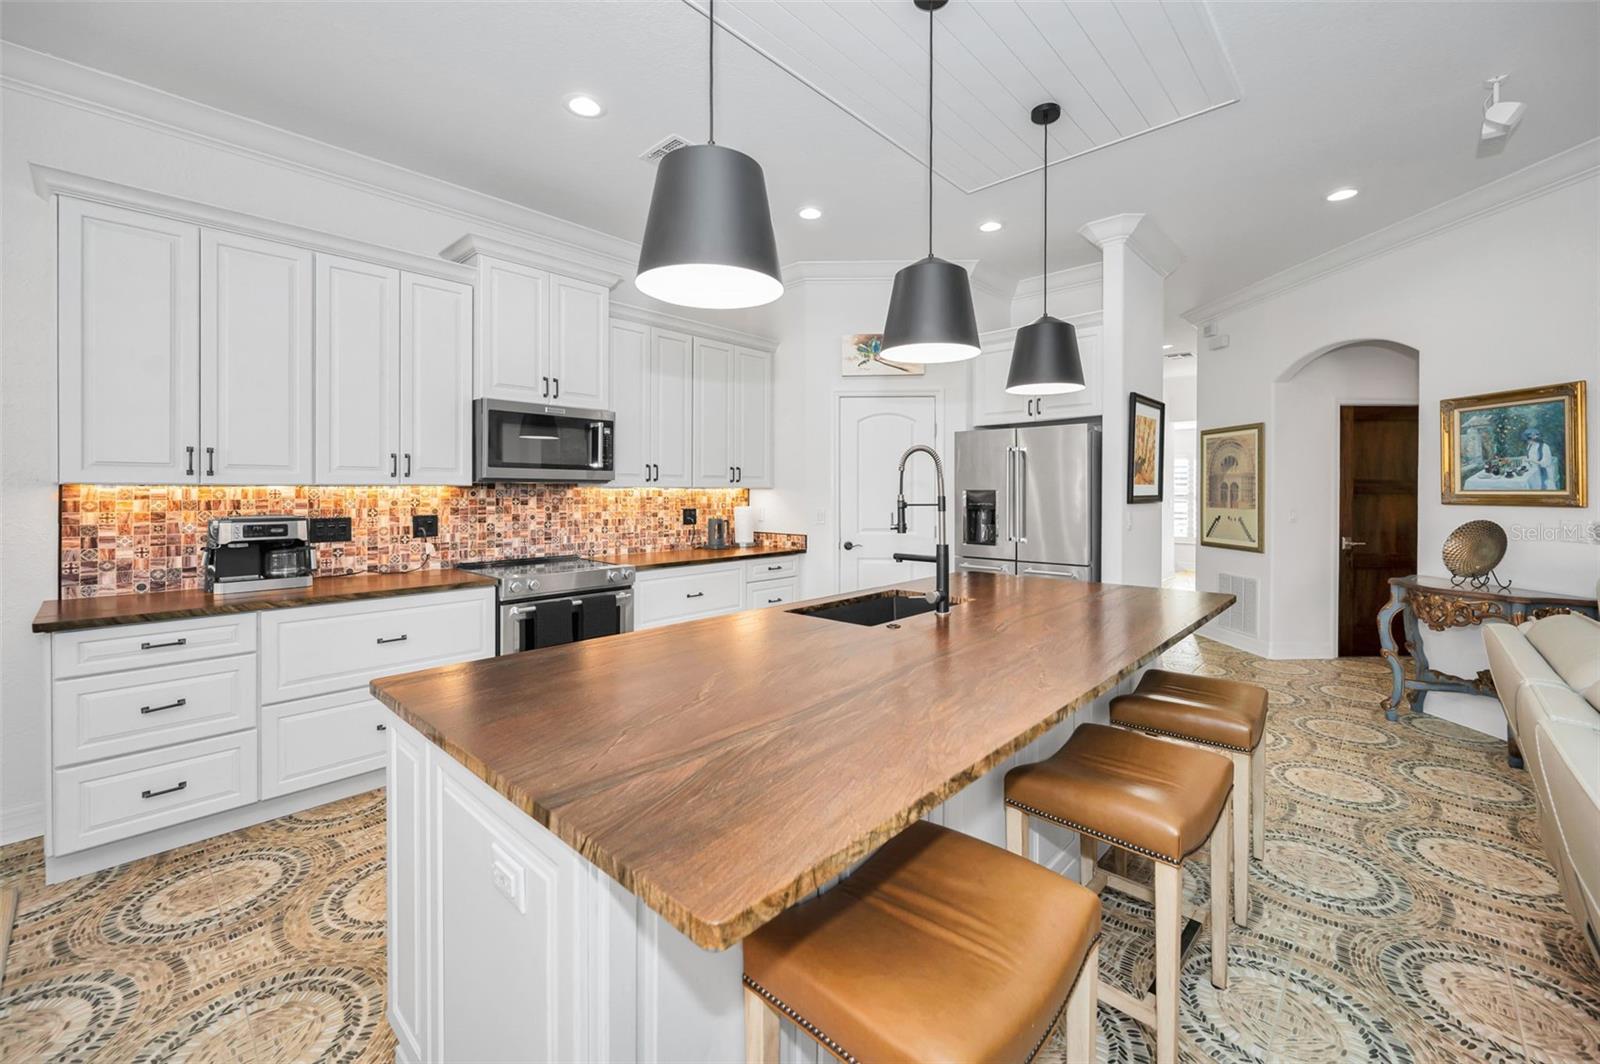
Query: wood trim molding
x=1140 y=234
x=1071 y=279
x=48 y=181
x=540 y=258
x=1093 y=320
x=856 y=271
x=1537 y=179
x=661 y=319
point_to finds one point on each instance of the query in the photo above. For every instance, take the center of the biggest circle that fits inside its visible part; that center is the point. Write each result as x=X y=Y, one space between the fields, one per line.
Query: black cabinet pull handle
x=657 y=474
x=773 y=568
x=408 y=463
x=211 y=461
x=394 y=464
x=182 y=784
x=188 y=469
x=158 y=646
x=695 y=594
x=383 y=727
x=558 y=387
x=169 y=705
x=741 y=473
x=392 y=639
x=546 y=386
x=730 y=474
x=771 y=601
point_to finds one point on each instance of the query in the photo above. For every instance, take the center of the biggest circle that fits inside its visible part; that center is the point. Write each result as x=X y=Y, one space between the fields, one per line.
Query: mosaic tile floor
x=1404 y=912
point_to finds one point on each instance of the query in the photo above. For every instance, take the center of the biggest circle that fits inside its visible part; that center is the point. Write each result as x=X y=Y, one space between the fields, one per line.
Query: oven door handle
x=518 y=611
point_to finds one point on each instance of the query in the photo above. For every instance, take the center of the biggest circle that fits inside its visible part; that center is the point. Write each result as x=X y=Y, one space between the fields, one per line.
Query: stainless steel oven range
x=545 y=602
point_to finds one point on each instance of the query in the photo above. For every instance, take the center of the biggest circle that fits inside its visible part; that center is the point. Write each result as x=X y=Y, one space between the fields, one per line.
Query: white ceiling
x=1384 y=96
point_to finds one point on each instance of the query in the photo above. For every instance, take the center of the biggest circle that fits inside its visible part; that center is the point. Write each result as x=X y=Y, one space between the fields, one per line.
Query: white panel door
x=669 y=388
x=435 y=381
x=128 y=300
x=358 y=366
x=629 y=356
x=255 y=361
x=713 y=414
x=752 y=418
x=874 y=432
x=579 y=330
x=513 y=331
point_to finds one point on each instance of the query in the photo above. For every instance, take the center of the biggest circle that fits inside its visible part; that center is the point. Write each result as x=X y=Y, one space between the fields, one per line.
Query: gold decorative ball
x=1474 y=549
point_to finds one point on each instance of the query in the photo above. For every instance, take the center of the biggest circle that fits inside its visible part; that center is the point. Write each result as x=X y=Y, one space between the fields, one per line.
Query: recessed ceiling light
x=811 y=214
x=1166 y=347
x=991 y=227
x=1339 y=195
x=585 y=106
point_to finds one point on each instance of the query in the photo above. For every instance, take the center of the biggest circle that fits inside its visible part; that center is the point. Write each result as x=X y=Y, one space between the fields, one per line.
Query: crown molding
x=1141 y=235
x=859 y=271
x=1089 y=275
x=48 y=182
x=661 y=319
x=534 y=255
x=1093 y=319
x=1548 y=175
x=96 y=92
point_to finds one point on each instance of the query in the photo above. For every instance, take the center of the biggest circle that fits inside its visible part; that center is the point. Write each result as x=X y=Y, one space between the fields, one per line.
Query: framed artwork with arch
x=1233 y=487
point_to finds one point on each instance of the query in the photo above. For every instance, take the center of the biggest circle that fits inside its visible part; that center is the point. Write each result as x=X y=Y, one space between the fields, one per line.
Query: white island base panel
x=506 y=945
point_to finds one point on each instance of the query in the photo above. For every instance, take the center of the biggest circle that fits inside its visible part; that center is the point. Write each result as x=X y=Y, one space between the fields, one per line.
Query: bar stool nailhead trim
x=1062 y=1011
x=837 y=1049
x=1191 y=738
x=1080 y=829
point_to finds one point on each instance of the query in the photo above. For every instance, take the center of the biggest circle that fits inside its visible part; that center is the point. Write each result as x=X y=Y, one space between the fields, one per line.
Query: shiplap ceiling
x=1117 y=70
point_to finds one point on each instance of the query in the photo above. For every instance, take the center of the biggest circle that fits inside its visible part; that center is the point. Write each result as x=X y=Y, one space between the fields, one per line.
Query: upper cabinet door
x=1085 y=400
x=435 y=381
x=752 y=418
x=713 y=414
x=255 y=361
x=629 y=358
x=358 y=363
x=669 y=408
x=128 y=300
x=991 y=403
x=513 y=332
x=580 y=313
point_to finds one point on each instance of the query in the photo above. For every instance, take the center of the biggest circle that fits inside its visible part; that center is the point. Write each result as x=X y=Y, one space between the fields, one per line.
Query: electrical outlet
x=329 y=530
x=424 y=526
x=822 y=519
x=505 y=872
x=690 y=515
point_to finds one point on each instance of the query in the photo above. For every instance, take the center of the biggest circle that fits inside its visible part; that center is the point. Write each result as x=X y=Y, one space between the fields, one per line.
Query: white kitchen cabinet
x=128 y=334
x=675 y=593
x=358 y=367
x=579 y=333
x=713 y=414
x=435 y=381
x=750 y=423
x=256 y=374
x=629 y=355
x=542 y=336
x=407 y=826
x=669 y=409
x=993 y=405
x=322 y=739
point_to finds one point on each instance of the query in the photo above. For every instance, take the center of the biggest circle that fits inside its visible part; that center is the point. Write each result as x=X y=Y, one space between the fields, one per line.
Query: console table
x=1440 y=605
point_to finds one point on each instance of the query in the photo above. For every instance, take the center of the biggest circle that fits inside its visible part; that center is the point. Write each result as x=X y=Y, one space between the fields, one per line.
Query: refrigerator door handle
x=1021 y=503
x=1011 y=494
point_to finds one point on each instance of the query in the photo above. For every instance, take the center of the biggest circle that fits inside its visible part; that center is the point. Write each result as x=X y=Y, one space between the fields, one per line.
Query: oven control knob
x=516 y=586
x=533 y=585
x=613 y=575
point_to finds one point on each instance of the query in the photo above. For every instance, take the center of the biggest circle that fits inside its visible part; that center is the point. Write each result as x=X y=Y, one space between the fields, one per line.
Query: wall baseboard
x=21 y=821
x=1236 y=640
x=1308 y=650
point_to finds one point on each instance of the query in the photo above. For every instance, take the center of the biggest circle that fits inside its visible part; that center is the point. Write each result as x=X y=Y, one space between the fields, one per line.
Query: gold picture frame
x=1233 y=487
x=1525 y=447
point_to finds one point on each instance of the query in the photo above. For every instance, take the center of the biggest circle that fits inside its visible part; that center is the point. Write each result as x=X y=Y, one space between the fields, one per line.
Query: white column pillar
x=1136 y=258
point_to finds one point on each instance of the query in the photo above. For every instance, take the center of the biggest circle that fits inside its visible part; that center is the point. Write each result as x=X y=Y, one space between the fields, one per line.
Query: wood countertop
x=723 y=769
x=660 y=559
x=61 y=615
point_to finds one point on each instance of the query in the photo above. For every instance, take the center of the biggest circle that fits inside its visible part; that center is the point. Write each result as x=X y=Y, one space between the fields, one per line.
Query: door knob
x=848 y=545
x=1346 y=543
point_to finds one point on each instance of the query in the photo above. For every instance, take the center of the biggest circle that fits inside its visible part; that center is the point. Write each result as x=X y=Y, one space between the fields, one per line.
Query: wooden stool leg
x=1169 y=928
x=760 y=1030
x=1088 y=855
x=1081 y=1007
x=1258 y=797
x=1222 y=854
x=1017 y=831
x=1240 y=804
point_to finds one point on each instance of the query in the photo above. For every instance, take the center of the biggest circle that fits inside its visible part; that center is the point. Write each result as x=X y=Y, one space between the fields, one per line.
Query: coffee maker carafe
x=257 y=554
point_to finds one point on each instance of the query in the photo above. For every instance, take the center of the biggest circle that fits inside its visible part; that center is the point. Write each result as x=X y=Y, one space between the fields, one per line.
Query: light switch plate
x=508 y=876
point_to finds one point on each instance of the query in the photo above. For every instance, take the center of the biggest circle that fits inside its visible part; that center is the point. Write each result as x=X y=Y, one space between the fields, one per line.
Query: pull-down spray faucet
x=941 y=552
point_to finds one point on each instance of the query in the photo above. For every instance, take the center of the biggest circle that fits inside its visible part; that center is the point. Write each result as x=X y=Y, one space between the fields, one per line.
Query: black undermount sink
x=879 y=607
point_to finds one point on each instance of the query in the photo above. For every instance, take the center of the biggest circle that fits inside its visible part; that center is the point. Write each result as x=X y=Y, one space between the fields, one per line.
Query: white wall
x=1503 y=299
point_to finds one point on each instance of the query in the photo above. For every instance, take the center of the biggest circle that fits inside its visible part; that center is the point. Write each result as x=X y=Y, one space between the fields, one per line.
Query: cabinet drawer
x=321 y=649
x=132 y=646
x=772 y=568
x=771 y=593
x=125 y=712
x=123 y=796
x=319 y=740
x=683 y=594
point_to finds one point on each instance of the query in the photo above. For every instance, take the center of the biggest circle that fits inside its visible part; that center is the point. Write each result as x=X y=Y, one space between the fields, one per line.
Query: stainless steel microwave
x=536 y=441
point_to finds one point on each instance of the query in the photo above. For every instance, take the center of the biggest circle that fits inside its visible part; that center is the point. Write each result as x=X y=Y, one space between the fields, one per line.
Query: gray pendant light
x=1044 y=358
x=930 y=309
x=708 y=241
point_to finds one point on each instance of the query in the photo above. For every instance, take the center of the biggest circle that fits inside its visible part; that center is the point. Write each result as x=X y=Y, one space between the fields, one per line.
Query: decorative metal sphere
x=1474 y=549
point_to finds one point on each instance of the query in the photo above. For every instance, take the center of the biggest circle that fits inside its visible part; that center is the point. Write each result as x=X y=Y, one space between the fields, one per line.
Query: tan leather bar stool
x=1149 y=797
x=1227 y=716
x=939 y=947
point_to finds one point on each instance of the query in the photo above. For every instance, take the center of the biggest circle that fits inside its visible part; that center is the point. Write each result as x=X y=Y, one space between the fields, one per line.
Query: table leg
x=1419 y=658
x=1391 y=653
x=1513 y=751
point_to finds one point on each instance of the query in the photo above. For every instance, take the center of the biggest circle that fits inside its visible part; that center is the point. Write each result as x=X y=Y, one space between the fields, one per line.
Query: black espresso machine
x=257 y=554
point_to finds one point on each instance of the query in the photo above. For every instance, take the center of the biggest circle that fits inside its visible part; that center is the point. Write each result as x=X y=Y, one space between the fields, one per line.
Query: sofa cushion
x=1569 y=795
x=1570 y=642
x=1513 y=661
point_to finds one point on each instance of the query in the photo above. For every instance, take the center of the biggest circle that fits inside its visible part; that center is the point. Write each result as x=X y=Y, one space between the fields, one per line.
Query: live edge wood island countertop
x=723 y=769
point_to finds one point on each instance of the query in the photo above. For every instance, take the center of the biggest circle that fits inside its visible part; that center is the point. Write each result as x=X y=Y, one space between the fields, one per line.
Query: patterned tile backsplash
x=128 y=539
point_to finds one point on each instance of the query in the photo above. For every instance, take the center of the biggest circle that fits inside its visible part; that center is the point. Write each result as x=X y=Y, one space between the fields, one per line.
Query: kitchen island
x=579 y=837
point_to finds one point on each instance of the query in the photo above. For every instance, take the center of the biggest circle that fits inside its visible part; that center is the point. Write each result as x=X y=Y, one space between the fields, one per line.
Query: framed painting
x=1233 y=487
x=1147 y=447
x=863 y=357
x=1520 y=448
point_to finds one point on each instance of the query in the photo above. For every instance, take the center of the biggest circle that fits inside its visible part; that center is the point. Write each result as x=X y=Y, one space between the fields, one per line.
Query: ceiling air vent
x=661 y=148
x=1178 y=354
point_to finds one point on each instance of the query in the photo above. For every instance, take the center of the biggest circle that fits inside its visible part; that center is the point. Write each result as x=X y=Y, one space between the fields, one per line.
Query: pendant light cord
x=930 y=131
x=711 y=68
x=1044 y=252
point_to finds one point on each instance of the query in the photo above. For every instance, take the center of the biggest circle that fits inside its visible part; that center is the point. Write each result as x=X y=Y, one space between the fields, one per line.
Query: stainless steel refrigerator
x=1028 y=501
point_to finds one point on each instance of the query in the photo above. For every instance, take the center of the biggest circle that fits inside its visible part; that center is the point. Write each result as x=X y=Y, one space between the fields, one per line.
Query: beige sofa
x=1547 y=673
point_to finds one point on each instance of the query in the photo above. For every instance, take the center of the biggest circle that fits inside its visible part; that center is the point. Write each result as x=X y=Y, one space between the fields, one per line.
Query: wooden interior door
x=1377 y=516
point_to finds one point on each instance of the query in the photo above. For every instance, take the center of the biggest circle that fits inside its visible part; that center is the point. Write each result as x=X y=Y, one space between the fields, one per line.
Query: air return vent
x=1241 y=616
x=662 y=148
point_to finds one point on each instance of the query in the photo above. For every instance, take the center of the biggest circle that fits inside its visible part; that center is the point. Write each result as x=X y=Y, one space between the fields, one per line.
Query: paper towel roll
x=744 y=526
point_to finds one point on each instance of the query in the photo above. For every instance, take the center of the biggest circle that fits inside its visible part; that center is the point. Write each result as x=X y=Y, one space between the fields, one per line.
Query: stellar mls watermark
x=1557 y=532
